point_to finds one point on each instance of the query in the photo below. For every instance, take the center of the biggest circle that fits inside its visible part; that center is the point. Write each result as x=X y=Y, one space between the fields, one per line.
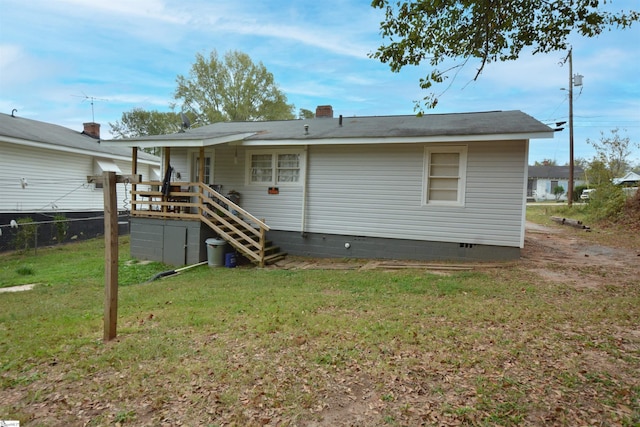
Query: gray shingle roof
x=428 y=125
x=554 y=172
x=58 y=136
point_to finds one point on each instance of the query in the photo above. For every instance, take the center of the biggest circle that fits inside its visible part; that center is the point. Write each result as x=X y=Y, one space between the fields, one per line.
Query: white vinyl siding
x=282 y=211
x=379 y=191
x=445 y=171
x=56 y=181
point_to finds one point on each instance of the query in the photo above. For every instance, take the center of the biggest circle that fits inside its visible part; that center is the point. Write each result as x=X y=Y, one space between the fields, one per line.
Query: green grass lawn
x=249 y=346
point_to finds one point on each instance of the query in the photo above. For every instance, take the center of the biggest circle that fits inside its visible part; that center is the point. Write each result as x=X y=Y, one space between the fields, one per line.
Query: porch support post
x=200 y=179
x=263 y=243
x=134 y=171
x=167 y=162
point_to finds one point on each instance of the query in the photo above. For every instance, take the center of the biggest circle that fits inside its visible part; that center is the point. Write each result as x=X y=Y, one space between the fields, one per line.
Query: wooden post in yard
x=110 y=255
x=109 y=181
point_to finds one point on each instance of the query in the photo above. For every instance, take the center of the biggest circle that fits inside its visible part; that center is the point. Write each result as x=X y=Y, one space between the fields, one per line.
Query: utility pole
x=573 y=81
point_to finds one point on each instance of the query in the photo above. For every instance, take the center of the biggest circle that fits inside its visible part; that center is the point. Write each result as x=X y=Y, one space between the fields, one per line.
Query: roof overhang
x=84 y=151
x=179 y=140
x=246 y=139
x=400 y=140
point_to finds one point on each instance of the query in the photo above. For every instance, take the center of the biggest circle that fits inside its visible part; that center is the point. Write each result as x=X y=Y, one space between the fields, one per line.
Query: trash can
x=215 y=252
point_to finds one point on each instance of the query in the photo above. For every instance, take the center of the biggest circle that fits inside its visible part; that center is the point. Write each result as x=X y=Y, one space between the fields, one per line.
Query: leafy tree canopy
x=139 y=122
x=217 y=89
x=487 y=30
x=306 y=114
x=546 y=162
x=613 y=152
x=232 y=88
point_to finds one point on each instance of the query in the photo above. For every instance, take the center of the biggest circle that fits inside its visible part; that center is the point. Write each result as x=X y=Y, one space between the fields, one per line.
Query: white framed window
x=445 y=175
x=281 y=167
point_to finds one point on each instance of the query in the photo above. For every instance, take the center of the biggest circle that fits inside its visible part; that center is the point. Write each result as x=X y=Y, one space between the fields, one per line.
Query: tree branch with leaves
x=436 y=31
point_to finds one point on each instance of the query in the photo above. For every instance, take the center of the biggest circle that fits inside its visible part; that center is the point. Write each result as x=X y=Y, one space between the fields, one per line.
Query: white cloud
x=144 y=9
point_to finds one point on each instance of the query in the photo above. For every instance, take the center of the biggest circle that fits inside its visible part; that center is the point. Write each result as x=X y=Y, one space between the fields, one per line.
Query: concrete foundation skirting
x=341 y=246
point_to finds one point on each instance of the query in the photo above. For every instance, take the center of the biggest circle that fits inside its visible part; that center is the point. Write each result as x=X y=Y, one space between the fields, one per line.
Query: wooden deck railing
x=197 y=201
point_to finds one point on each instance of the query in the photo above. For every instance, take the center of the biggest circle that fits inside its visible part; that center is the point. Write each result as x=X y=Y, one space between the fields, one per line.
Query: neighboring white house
x=631 y=179
x=44 y=169
x=630 y=183
x=438 y=186
x=544 y=178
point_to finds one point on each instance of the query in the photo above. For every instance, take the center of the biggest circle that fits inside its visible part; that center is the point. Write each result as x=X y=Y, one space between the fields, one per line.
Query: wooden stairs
x=239 y=228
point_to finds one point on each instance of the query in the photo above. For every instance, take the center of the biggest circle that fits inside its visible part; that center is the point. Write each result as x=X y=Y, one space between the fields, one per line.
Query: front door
x=208 y=168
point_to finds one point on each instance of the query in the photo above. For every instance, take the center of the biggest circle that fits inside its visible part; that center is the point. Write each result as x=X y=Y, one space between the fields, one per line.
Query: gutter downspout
x=303 y=222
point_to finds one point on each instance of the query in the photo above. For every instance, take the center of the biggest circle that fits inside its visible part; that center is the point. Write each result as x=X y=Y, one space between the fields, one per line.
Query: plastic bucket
x=230 y=260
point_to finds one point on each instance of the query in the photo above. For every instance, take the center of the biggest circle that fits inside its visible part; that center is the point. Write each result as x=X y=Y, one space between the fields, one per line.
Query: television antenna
x=91 y=99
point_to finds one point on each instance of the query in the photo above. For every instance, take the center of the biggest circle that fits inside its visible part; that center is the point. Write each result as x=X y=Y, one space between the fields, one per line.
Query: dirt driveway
x=562 y=254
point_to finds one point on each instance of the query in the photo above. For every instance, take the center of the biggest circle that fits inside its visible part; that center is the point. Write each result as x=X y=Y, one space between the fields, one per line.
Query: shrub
x=558 y=191
x=577 y=191
x=26 y=235
x=607 y=202
x=62 y=226
x=632 y=211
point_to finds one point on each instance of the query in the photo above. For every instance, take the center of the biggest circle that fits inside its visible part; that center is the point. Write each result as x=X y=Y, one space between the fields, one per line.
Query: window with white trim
x=274 y=167
x=445 y=175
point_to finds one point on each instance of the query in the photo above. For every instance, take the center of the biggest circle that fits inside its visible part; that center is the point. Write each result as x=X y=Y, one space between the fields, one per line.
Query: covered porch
x=163 y=206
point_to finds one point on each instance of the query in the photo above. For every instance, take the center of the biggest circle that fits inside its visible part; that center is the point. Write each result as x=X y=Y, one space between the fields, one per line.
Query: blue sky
x=57 y=55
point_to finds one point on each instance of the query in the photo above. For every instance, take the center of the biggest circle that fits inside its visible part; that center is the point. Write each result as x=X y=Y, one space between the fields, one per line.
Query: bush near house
x=557 y=192
x=26 y=234
x=577 y=191
x=607 y=202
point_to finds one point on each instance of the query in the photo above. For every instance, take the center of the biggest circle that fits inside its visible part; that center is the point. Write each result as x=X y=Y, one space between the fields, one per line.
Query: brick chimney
x=92 y=129
x=324 y=111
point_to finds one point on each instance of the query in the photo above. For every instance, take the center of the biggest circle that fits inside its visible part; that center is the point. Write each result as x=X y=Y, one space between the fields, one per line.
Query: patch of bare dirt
x=559 y=254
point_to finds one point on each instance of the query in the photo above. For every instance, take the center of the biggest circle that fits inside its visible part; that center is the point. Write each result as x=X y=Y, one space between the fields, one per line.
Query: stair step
x=272 y=253
x=275 y=257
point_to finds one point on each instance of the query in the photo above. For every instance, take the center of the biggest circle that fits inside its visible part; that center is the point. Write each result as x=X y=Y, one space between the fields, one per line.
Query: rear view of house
x=441 y=186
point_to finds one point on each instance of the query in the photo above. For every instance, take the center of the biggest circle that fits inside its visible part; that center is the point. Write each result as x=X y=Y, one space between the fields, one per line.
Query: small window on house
x=445 y=173
x=274 y=168
x=207 y=170
x=288 y=168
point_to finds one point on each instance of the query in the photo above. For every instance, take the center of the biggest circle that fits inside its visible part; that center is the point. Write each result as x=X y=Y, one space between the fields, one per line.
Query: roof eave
x=84 y=151
x=178 y=142
x=398 y=140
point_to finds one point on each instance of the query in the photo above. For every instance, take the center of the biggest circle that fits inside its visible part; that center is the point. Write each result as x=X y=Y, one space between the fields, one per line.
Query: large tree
x=442 y=32
x=232 y=88
x=612 y=152
x=139 y=122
